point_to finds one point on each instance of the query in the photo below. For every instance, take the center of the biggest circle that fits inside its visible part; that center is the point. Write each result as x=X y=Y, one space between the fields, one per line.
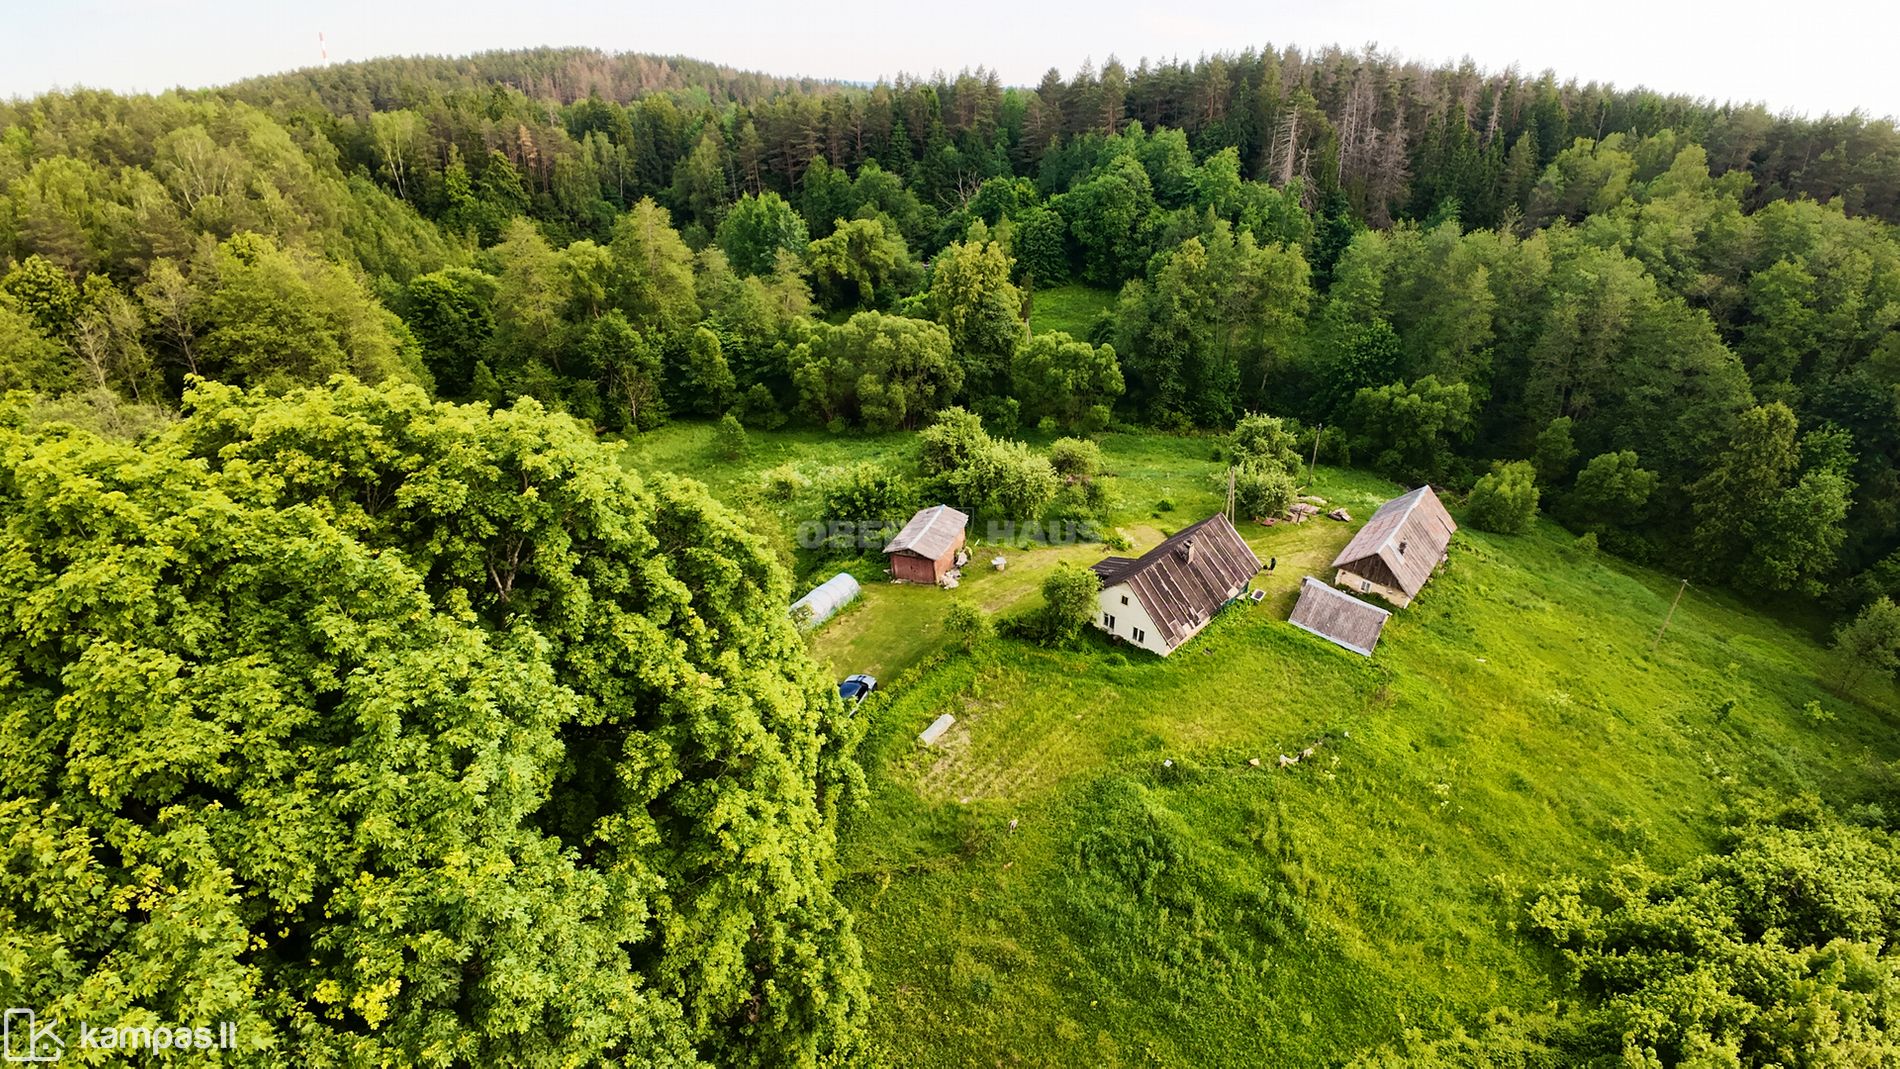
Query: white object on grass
x=931 y=734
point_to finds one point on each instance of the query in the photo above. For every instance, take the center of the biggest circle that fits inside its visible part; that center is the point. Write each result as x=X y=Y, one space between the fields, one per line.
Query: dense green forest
x=1685 y=312
x=231 y=321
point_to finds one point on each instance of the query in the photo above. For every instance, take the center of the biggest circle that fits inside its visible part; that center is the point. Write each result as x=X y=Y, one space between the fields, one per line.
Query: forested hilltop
x=1686 y=311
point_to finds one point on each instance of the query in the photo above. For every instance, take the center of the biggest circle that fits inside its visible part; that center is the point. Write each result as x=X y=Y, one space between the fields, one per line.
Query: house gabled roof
x=929 y=534
x=1406 y=537
x=1183 y=581
x=1338 y=617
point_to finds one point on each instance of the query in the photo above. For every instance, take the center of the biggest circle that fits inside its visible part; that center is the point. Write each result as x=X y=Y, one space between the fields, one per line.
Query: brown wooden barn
x=927 y=546
x=1398 y=548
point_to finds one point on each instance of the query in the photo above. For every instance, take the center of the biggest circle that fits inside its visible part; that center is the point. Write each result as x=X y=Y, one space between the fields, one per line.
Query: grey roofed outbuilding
x=930 y=533
x=1402 y=543
x=1338 y=617
x=1185 y=580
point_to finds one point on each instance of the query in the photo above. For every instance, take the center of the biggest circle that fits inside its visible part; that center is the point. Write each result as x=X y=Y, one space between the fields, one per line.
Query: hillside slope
x=1046 y=883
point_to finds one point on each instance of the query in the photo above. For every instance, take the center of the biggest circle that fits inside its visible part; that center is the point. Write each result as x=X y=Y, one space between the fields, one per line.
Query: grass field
x=893 y=626
x=1090 y=868
x=1072 y=309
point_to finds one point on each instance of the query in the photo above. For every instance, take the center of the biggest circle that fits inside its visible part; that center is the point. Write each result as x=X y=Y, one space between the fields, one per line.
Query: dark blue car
x=856 y=687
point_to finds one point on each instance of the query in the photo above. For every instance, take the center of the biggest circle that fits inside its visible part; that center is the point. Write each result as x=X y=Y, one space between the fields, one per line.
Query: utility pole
x=1314 y=466
x=1231 y=518
x=1671 y=615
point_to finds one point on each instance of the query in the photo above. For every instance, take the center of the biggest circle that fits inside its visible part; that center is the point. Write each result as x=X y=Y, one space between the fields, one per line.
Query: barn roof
x=929 y=534
x=1183 y=581
x=1338 y=617
x=1408 y=535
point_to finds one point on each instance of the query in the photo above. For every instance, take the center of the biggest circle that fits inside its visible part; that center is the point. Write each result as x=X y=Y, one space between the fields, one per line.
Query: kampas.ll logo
x=27 y=1040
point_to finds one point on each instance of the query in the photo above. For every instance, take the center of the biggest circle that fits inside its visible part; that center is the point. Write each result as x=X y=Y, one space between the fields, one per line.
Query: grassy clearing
x=685 y=447
x=1512 y=729
x=1072 y=309
x=894 y=626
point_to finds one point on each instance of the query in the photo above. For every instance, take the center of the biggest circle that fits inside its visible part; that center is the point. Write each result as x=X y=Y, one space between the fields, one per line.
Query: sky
x=1790 y=57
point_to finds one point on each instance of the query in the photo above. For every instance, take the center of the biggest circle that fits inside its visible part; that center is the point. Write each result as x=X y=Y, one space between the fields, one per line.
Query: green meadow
x=1072 y=309
x=1090 y=866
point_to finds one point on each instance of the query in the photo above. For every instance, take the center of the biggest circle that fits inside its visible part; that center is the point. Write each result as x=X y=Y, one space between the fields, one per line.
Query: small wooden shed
x=1338 y=617
x=927 y=546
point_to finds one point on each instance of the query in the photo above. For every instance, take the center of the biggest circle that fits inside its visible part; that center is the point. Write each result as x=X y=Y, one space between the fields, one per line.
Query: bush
x=729 y=438
x=951 y=442
x=865 y=494
x=1585 y=547
x=966 y=624
x=1554 y=451
x=1075 y=459
x=1610 y=491
x=1871 y=644
x=782 y=483
x=1505 y=501
x=1323 y=445
x=1263 y=440
x=1164 y=505
x=759 y=409
x=1261 y=490
x=1068 y=596
x=961 y=463
x=1001 y=416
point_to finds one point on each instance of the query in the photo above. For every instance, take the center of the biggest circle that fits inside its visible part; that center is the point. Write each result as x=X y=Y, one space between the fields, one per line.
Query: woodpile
x=1341 y=515
x=1300 y=512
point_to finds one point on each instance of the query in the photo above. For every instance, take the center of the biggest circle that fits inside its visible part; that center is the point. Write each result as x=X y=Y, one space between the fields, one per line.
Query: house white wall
x=1128 y=618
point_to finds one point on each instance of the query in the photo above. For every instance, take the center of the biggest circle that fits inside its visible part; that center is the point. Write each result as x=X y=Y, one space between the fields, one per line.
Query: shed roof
x=929 y=534
x=1183 y=581
x=1338 y=617
x=1408 y=535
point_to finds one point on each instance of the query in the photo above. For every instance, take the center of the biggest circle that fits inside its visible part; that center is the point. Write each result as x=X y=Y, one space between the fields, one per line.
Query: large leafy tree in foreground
x=401 y=732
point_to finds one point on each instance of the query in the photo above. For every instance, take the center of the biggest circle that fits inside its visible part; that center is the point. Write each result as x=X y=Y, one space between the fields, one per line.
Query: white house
x=1163 y=598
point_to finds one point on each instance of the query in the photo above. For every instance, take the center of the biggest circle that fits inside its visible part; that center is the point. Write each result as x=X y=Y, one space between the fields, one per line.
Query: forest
x=312 y=383
x=1651 y=297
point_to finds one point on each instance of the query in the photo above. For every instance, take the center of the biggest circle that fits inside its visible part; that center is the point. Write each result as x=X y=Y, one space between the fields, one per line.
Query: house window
x=1108 y=621
x=1124 y=599
x=1365 y=584
x=1401 y=549
x=1138 y=634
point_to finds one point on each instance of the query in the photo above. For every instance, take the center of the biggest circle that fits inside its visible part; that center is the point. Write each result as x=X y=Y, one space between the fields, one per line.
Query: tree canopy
x=391 y=729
